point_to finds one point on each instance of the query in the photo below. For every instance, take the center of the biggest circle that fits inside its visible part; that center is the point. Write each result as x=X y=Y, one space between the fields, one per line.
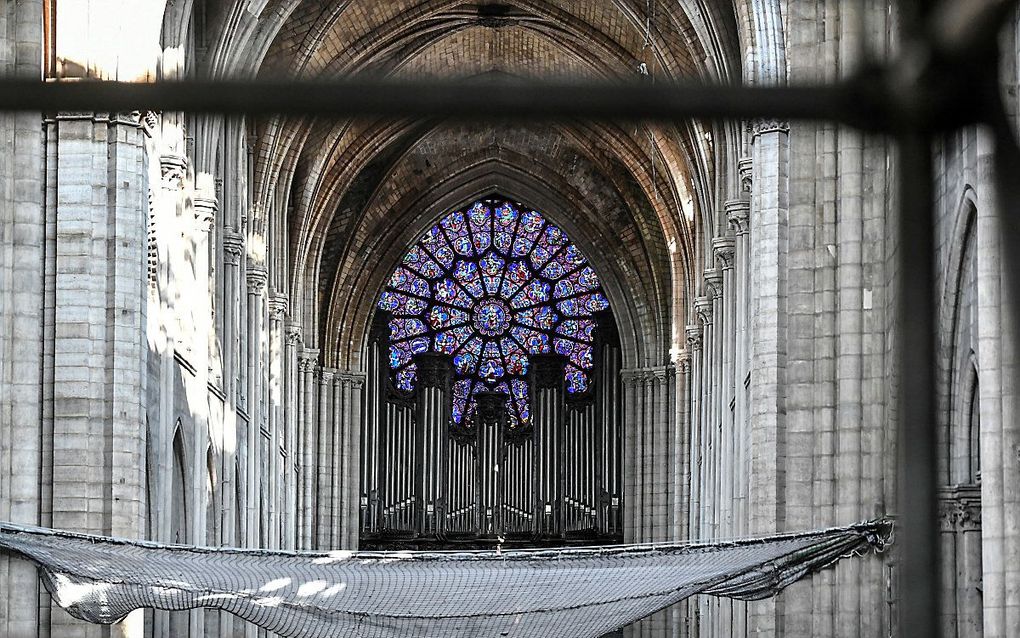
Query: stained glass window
x=490 y=286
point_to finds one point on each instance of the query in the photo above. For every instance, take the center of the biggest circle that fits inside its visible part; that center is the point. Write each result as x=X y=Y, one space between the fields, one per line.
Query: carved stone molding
x=308 y=359
x=293 y=334
x=683 y=364
x=738 y=215
x=768 y=125
x=693 y=334
x=713 y=283
x=703 y=308
x=257 y=280
x=744 y=168
x=959 y=508
x=233 y=247
x=173 y=169
x=279 y=303
x=724 y=247
x=206 y=207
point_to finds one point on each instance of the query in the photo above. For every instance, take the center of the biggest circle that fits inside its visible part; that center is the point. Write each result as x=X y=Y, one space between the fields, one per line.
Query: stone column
x=324 y=463
x=306 y=424
x=292 y=392
x=353 y=423
x=257 y=279
x=737 y=215
x=233 y=249
x=769 y=247
x=278 y=304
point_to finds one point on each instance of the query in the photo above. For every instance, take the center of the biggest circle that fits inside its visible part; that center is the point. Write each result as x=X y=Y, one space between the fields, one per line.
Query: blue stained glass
x=457 y=230
x=543 y=317
x=492 y=350
x=400 y=304
x=447 y=291
x=465 y=362
x=406 y=377
x=466 y=272
x=492 y=271
x=444 y=316
x=491 y=370
x=404 y=328
x=480 y=218
x=406 y=281
x=550 y=241
x=400 y=353
x=503 y=229
x=449 y=341
x=578 y=354
x=527 y=233
x=490 y=313
x=533 y=341
x=577 y=380
x=516 y=276
x=583 y=305
x=583 y=280
x=534 y=293
x=417 y=260
x=435 y=242
x=581 y=329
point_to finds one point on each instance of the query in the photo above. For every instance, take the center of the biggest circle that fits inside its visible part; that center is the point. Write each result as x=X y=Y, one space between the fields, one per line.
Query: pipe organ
x=428 y=482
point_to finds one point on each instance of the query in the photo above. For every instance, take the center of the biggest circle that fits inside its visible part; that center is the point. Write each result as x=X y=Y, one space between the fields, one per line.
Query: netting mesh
x=550 y=593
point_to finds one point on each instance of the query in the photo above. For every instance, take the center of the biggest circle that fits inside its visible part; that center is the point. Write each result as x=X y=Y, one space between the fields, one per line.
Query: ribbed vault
x=354 y=194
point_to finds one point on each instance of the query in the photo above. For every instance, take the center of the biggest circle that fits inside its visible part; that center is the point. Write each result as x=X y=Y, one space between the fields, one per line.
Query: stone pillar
x=233 y=249
x=278 y=485
x=354 y=384
x=769 y=247
x=737 y=215
x=306 y=425
x=257 y=279
x=324 y=461
x=292 y=392
x=23 y=292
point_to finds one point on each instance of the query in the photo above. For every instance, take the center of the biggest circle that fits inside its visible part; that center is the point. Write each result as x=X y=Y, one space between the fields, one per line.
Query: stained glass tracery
x=490 y=286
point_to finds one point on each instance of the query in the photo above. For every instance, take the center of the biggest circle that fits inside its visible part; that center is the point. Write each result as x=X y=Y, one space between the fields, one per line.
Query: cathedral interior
x=304 y=332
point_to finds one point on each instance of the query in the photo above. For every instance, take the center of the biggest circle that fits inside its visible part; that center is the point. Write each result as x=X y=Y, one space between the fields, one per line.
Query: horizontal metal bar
x=471 y=100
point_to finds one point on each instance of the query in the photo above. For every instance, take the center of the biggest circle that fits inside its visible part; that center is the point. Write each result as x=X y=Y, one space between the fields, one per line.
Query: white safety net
x=568 y=593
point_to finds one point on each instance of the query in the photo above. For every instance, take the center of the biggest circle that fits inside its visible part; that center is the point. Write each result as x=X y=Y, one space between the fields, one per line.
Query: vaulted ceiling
x=634 y=197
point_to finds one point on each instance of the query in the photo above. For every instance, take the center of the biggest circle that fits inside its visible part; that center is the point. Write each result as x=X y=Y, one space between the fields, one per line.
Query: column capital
x=744 y=169
x=763 y=126
x=293 y=333
x=173 y=168
x=959 y=508
x=724 y=248
x=257 y=279
x=693 y=334
x=738 y=215
x=308 y=358
x=683 y=363
x=713 y=282
x=279 y=303
x=703 y=308
x=206 y=205
x=233 y=247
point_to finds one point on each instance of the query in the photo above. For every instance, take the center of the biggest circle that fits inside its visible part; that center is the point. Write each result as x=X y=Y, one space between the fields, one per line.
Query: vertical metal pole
x=917 y=441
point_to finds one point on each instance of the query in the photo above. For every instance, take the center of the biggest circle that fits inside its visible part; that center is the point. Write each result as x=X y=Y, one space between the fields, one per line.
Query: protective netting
x=523 y=593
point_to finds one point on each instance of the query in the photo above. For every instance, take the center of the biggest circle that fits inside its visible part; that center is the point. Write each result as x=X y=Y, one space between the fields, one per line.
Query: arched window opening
x=493 y=286
x=495 y=394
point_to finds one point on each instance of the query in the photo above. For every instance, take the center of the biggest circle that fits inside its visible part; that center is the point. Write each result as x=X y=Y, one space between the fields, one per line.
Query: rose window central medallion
x=492 y=317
